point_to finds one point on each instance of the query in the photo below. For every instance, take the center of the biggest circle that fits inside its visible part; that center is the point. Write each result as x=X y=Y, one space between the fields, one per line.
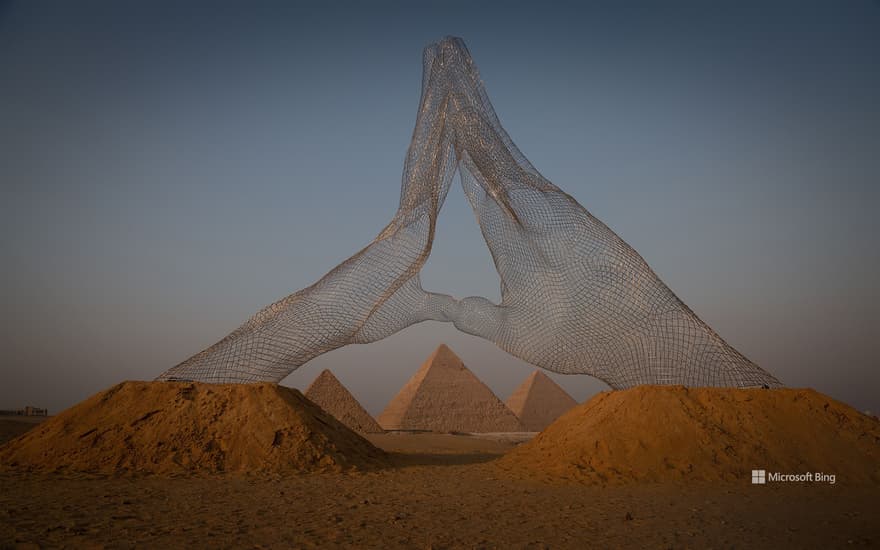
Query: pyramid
x=328 y=393
x=444 y=396
x=539 y=401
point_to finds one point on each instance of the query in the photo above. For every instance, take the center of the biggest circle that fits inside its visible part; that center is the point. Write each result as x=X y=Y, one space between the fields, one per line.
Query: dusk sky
x=169 y=168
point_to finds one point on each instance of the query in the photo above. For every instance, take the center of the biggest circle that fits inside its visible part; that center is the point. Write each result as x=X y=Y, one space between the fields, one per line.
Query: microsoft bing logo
x=759 y=477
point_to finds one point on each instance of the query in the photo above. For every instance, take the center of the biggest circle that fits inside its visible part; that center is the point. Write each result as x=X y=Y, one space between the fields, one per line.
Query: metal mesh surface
x=575 y=297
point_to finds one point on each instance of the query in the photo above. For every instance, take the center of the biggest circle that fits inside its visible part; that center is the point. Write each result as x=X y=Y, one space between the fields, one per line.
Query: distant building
x=27 y=411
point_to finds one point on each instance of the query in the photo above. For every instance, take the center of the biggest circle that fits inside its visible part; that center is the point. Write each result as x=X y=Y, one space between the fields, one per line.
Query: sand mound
x=672 y=433
x=180 y=427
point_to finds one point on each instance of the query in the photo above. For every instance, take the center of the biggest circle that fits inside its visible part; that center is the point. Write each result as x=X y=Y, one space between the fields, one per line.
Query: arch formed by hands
x=575 y=297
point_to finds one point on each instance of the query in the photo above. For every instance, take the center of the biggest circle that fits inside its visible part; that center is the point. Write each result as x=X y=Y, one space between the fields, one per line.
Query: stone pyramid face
x=445 y=396
x=328 y=393
x=539 y=401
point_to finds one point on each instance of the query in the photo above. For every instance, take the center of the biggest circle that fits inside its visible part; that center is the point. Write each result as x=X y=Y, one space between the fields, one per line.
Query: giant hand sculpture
x=575 y=297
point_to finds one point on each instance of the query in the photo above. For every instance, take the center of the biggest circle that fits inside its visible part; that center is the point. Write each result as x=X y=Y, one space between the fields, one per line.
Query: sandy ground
x=14 y=426
x=444 y=492
x=422 y=444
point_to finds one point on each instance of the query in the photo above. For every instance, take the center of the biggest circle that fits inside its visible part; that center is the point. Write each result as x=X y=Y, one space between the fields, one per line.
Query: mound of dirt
x=182 y=427
x=673 y=433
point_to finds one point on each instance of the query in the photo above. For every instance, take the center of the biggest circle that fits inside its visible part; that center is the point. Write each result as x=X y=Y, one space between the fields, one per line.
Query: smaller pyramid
x=539 y=401
x=328 y=393
x=445 y=396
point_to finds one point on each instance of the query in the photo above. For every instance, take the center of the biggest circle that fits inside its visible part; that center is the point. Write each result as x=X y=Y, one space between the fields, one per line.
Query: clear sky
x=168 y=168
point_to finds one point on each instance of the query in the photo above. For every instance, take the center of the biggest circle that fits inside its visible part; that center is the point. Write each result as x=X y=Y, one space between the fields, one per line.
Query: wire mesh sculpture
x=575 y=297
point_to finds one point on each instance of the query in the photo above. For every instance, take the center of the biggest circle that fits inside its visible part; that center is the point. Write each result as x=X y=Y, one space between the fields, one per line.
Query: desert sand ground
x=13 y=426
x=442 y=491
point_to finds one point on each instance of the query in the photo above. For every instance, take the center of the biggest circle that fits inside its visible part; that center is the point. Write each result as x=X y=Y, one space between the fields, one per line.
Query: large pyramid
x=445 y=396
x=539 y=401
x=328 y=393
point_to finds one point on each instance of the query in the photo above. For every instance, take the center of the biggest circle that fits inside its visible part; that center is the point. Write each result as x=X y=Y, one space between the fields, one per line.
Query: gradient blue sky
x=168 y=168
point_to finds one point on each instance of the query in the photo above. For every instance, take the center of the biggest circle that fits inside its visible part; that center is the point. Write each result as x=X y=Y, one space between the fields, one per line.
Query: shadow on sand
x=408 y=460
